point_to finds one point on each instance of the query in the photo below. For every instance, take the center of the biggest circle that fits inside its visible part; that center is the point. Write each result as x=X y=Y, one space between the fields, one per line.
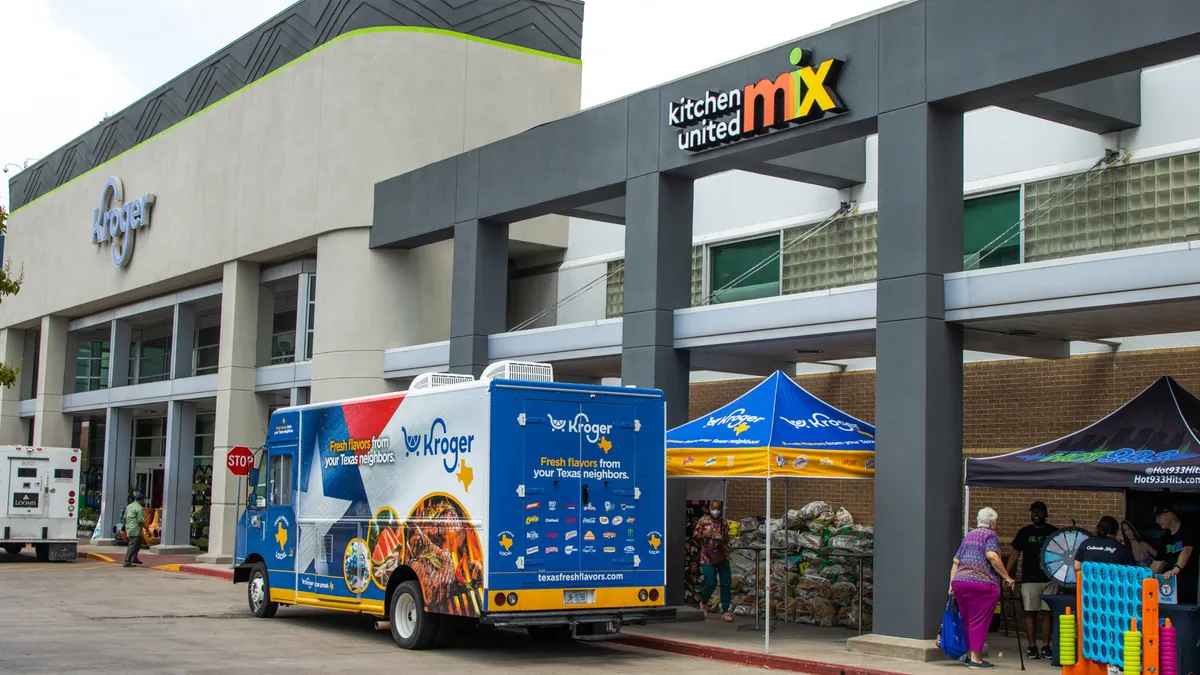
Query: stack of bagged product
x=814 y=574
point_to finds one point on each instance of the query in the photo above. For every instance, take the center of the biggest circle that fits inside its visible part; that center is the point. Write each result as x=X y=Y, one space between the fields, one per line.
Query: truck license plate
x=579 y=597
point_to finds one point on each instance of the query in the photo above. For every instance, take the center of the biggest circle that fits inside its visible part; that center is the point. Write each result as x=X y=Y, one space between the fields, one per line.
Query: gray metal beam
x=837 y=166
x=1015 y=345
x=479 y=292
x=1102 y=107
x=918 y=396
x=610 y=211
x=742 y=365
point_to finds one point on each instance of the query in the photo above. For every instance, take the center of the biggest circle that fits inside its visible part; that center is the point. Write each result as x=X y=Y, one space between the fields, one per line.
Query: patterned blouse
x=973 y=564
x=710 y=534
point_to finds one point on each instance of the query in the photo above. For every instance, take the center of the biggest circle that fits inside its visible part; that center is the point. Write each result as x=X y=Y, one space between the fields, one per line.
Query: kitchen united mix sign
x=795 y=97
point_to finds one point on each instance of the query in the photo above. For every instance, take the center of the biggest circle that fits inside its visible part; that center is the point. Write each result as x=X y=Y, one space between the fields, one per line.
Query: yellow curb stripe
x=167 y=568
x=97 y=556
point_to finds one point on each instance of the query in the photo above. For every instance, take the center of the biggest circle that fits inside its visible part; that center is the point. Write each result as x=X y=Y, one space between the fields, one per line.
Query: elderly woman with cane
x=975 y=583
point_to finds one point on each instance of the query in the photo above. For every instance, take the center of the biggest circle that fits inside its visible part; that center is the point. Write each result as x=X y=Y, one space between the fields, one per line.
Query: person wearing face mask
x=712 y=534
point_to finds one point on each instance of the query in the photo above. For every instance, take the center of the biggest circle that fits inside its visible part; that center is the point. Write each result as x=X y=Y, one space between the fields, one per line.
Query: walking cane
x=1013 y=603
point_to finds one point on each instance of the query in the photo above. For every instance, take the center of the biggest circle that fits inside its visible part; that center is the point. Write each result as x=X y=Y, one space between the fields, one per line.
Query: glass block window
x=730 y=263
x=991 y=236
x=842 y=253
x=697 y=275
x=614 y=296
x=311 y=315
x=1143 y=204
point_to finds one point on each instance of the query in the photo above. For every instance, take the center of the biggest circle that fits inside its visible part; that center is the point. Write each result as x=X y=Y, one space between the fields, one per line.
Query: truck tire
x=258 y=593
x=42 y=551
x=549 y=634
x=412 y=627
x=13 y=549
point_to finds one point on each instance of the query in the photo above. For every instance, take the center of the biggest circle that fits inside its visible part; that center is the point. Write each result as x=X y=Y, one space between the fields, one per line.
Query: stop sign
x=240 y=460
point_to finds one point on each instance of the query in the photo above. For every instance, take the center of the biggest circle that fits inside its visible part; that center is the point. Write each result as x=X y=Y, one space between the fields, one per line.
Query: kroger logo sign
x=821 y=421
x=733 y=419
x=438 y=442
x=581 y=425
x=121 y=221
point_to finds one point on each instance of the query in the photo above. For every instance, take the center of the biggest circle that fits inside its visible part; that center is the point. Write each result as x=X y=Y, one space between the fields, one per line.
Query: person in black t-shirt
x=1027 y=545
x=1176 y=553
x=1103 y=547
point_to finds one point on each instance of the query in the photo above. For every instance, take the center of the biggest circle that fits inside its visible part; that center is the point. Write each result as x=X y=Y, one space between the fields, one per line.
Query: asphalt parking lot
x=94 y=617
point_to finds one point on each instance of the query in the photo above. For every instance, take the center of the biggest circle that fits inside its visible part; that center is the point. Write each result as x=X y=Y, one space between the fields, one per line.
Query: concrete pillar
x=183 y=341
x=114 y=486
x=72 y=352
x=51 y=427
x=241 y=414
x=120 y=335
x=658 y=280
x=298 y=396
x=177 y=481
x=12 y=353
x=919 y=376
x=479 y=292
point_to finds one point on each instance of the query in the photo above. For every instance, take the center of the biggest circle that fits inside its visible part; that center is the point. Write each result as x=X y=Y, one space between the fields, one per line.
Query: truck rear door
x=608 y=489
x=551 y=500
x=26 y=486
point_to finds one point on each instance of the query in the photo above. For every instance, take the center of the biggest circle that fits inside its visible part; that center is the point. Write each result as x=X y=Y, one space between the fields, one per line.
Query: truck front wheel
x=412 y=627
x=258 y=593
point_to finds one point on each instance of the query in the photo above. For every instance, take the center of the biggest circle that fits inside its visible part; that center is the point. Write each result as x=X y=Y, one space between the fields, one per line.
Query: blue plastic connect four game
x=1112 y=595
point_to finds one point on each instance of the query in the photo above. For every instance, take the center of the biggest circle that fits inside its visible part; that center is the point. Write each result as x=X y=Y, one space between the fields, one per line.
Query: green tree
x=9 y=285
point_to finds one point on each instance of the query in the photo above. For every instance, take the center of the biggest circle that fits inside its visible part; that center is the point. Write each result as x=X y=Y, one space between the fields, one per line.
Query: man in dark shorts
x=1103 y=547
x=1176 y=553
x=1027 y=545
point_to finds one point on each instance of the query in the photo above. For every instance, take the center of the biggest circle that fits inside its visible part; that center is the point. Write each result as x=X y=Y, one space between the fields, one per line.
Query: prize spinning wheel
x=1058 y=554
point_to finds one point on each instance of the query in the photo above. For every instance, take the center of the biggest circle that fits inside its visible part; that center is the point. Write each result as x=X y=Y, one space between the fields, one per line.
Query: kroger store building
x=355 y=193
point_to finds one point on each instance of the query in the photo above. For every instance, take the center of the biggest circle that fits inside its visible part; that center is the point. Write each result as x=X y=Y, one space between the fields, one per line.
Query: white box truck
x=41 y=487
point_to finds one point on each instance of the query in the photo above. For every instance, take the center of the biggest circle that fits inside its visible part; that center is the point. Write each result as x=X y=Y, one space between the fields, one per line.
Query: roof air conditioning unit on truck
x=511 y=500
x=39 y=509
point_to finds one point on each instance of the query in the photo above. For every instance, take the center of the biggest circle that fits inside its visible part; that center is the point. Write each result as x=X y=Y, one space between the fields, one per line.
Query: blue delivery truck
x=510 y=500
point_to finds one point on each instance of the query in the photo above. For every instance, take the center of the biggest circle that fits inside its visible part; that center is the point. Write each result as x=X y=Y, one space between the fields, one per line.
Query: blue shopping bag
x=950 y=637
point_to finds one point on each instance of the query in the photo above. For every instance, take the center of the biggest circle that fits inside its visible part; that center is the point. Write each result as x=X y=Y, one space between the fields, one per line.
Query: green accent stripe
x=289 y=64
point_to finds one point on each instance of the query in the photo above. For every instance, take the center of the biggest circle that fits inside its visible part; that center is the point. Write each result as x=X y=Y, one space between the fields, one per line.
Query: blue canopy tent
x=777 y=429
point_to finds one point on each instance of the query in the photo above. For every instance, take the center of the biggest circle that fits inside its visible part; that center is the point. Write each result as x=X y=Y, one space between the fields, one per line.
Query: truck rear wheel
x=412 y=627
x=42 y=551
x=13 y=549
x=258 y=593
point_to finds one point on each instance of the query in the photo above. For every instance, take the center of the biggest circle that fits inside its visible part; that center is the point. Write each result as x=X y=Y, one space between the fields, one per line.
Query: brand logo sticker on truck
x=25 y=500
x=531 y=550
x=533 y=505
x=571 y=534
x=531 y=519
x=506 y=541
x=439 y=441
x=655 y=541
x=582 y=425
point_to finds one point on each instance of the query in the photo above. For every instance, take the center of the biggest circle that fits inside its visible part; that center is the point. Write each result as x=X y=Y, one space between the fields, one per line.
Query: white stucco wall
x=264 y=173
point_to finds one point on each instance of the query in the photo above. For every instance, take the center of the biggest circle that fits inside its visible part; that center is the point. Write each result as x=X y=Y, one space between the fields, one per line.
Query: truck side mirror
x=251 y=485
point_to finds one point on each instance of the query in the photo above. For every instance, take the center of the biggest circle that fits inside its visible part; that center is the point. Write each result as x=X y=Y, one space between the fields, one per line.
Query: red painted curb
x=224 y=574
x=744 y=658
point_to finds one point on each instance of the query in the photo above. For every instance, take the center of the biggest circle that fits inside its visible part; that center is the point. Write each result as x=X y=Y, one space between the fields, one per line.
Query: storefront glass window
x=155 y=360
x=202 y=479
x=730 y=263
x=149 y=437
x=283 y=336
x=208 y=347
x=312 y=309
x=991 y=236
x=91 y=365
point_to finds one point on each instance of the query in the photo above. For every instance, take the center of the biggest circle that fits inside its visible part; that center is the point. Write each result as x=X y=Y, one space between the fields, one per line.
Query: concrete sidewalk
x=169 y=563
x=802 y=648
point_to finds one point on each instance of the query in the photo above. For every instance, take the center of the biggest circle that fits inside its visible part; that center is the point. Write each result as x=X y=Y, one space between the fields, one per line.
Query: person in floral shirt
x=712 y=535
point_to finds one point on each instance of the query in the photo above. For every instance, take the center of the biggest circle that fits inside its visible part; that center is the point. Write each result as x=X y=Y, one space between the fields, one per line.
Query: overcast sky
x=68 y=63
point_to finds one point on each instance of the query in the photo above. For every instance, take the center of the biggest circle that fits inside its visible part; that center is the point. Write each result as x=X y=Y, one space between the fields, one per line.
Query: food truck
x=39 y=509
x=510 y=500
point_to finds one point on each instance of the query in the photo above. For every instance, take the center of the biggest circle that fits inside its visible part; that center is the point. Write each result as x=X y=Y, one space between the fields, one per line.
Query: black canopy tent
x=1149 y=443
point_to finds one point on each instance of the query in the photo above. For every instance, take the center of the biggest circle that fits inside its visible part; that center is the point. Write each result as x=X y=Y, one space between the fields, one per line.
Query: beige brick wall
x=1007 y=406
